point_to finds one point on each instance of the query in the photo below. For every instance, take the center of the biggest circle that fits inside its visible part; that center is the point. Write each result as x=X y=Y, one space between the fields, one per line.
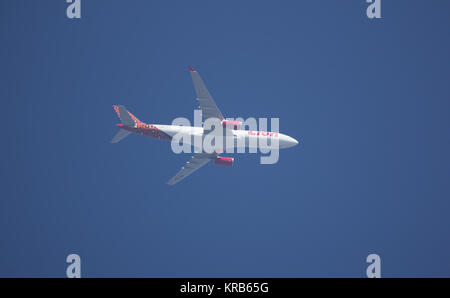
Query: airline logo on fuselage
x=262 y=133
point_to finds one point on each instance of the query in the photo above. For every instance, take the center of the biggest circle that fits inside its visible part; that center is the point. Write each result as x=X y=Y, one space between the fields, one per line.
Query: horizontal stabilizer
x=121 y=134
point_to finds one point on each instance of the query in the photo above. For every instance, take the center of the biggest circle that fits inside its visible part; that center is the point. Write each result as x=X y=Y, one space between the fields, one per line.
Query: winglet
x=191 y=68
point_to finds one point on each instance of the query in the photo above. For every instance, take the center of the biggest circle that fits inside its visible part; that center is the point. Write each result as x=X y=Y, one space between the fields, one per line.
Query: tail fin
x=126 y=117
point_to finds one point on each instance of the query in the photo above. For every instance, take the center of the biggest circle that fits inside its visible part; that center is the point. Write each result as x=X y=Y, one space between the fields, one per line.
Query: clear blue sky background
x=370 y=97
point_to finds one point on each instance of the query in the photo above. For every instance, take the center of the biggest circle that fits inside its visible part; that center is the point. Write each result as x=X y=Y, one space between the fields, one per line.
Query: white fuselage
x=239 y=138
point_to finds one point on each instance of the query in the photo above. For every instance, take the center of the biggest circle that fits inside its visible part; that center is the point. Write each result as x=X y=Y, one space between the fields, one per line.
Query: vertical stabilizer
x=126 y=117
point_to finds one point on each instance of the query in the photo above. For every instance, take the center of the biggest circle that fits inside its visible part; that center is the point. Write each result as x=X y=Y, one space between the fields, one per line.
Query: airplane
x=131 y=124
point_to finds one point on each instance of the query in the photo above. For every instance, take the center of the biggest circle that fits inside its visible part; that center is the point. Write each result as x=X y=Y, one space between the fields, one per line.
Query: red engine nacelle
x=224 y=161
x=232 y=124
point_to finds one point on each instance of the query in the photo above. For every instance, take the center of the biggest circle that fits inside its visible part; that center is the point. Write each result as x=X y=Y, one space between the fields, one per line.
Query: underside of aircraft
x=130 y=124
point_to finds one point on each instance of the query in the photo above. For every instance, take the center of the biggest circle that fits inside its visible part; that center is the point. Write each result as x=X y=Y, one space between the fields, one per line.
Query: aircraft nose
x=293 y=141
x=289 y=142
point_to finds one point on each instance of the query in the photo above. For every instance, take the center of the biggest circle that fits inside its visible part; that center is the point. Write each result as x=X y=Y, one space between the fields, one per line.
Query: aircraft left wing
x=196 y=162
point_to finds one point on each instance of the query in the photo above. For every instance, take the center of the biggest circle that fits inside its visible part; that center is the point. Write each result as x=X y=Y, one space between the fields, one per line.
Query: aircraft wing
x=196 y=162
x=206 y=102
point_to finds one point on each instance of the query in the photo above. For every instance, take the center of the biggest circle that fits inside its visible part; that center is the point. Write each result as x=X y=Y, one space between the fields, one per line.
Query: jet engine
x=224 y=161
x=232 y=124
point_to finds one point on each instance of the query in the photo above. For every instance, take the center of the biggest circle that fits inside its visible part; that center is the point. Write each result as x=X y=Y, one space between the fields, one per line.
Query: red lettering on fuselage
x=263 y=133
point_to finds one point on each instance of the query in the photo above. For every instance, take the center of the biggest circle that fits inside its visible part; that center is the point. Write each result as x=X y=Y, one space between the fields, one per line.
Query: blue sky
x=370 y=98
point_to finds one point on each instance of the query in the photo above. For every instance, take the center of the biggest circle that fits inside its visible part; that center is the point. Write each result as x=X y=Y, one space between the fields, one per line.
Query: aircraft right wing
x=196 y=162
x=206 y=102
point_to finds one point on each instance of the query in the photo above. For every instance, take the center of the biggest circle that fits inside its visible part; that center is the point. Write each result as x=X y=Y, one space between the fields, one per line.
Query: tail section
x=131 y=124
x=128 y=120
x=126 y=117
x=121 y=134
